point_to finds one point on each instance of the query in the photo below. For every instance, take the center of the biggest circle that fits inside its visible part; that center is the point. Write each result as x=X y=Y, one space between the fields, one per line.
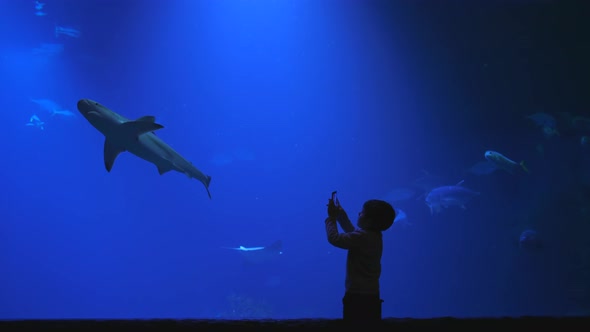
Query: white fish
x=66 y=31
x=504 y=163
x=546 y=122
x=257 y=255
x=34 y=121
x=495 y=161
x=447 y=196
x=542 y=119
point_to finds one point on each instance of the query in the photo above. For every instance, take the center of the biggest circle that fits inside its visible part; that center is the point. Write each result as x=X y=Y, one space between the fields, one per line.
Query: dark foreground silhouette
x=450 y=324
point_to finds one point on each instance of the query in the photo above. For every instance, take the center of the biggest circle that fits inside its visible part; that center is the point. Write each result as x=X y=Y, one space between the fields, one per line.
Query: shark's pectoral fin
x=163 y=170
x=137 y=128
x=111 y=152
x=147 y=118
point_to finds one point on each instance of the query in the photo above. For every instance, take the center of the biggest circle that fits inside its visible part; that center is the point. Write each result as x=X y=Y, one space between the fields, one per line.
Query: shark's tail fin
x=207 y=181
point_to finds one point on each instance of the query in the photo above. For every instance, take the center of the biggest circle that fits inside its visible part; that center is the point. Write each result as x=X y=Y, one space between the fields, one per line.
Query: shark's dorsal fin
x=147 y=118
x=137 y=128
x=110 y=154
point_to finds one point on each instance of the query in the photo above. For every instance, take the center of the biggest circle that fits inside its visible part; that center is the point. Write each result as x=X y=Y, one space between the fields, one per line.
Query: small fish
x=447 y=196
x=34 y=121
x=66 y=31
x=502 y=162
x=542 y=119
x=257 y=255
x=546 y=122
x=549 y=131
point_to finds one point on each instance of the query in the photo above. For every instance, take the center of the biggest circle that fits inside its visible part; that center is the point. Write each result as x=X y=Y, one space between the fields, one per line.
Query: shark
x=446 y=196
x=258 y=255
x=137 y=137
x=52 y=107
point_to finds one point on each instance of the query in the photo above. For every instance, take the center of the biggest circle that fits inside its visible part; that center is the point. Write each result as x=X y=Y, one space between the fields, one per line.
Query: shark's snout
x=88 y=107
x=91 y=110
x=83 y=104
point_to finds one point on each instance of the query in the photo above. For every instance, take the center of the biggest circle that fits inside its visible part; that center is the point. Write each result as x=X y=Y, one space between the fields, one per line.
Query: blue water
x=282 y=102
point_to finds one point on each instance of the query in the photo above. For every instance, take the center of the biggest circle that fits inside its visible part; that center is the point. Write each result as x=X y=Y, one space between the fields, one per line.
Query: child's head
x=377 y=215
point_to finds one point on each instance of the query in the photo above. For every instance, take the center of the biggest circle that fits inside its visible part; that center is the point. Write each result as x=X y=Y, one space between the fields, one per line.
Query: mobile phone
x=335 y=199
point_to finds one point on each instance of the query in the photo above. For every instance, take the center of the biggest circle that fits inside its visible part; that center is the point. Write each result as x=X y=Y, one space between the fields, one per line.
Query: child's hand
x=333 y=210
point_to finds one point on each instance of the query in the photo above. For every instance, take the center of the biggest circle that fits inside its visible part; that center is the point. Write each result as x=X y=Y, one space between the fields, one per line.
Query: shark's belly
x=146 y=153
x=154 y=150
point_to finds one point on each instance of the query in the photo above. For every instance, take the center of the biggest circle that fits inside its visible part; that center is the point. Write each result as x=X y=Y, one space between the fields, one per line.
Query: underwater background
x=282 y=102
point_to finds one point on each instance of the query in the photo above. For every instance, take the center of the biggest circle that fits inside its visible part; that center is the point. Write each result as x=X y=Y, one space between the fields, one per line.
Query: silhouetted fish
x=258 y=255
x=446 y=196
